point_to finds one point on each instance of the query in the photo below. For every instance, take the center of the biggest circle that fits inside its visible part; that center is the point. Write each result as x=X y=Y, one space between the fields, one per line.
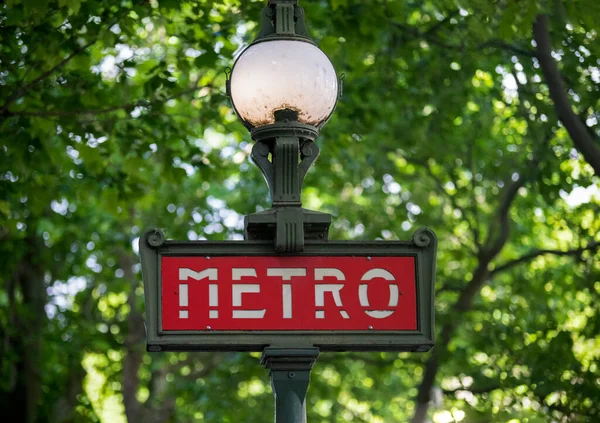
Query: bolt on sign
x=337 y=296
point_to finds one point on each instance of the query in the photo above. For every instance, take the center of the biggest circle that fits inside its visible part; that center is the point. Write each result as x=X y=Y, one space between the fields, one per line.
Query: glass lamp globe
x=283 y=74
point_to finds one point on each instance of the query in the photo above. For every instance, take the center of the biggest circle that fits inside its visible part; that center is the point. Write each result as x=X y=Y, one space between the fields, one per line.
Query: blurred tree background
x=476 y=118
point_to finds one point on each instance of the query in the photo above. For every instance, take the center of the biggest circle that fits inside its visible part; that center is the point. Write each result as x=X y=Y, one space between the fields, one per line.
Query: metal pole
x=290 y=376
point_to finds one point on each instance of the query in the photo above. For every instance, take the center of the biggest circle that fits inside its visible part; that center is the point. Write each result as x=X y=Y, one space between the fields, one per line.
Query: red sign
x=272 y=293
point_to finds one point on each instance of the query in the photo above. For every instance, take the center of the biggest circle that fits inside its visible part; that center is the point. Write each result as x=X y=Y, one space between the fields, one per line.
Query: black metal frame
x=422 y=246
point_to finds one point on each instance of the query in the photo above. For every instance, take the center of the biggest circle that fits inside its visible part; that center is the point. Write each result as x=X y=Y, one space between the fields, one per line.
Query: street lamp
x=278 y=74
x=284 y=89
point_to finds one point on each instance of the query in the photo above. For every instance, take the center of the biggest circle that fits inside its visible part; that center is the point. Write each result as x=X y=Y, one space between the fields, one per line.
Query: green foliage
x=113 y=119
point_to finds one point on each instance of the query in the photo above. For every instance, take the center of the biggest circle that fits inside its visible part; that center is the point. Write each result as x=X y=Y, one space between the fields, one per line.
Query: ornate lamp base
x=284 y=152
x=289 y=226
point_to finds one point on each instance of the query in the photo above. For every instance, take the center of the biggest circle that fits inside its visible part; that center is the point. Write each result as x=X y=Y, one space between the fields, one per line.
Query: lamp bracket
x=284 y=152
x=283 y=19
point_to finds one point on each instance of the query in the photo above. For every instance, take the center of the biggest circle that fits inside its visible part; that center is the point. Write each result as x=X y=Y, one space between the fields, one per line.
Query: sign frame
x=423 y=247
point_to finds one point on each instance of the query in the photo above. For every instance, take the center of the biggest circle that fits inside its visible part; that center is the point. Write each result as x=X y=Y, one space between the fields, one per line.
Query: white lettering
x=239 y=289
x=321 y=289
x=333 y=283
x=286 y=274
x=286 y=290
x=238 y=274
x=321 y=273
x=213 y=300
x=378 y=273
x=211 y=274
x=184 y=275
x=286 y=293
x=183 y=295
x=363 y=294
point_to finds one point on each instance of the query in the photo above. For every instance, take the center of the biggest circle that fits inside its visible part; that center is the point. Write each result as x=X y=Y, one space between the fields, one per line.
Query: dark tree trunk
x=134 y=347
x=23 y=337
x=583 y=140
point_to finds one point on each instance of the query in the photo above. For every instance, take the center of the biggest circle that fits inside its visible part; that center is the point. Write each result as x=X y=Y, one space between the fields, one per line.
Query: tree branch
x=507 y=47
x=475 y=391
x=451 y=198
x=498 y=234
x=582 y=139
x=470 y=163
x=430 y=37
x=500 y=228
x=25 y=89
x=209 y=363
x=525 y=258
x=128 y=106
x=434 y=28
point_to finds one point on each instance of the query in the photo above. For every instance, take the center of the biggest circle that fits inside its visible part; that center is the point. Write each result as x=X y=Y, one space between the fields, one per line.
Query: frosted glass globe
x=283 y=74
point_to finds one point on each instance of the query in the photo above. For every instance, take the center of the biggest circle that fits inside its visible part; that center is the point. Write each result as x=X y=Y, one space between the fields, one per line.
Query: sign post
x=287 y=290
x=290 y=376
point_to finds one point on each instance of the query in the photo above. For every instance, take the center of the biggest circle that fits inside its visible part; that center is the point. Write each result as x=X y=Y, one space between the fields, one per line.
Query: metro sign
x=288 y=293
x=237 y=295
